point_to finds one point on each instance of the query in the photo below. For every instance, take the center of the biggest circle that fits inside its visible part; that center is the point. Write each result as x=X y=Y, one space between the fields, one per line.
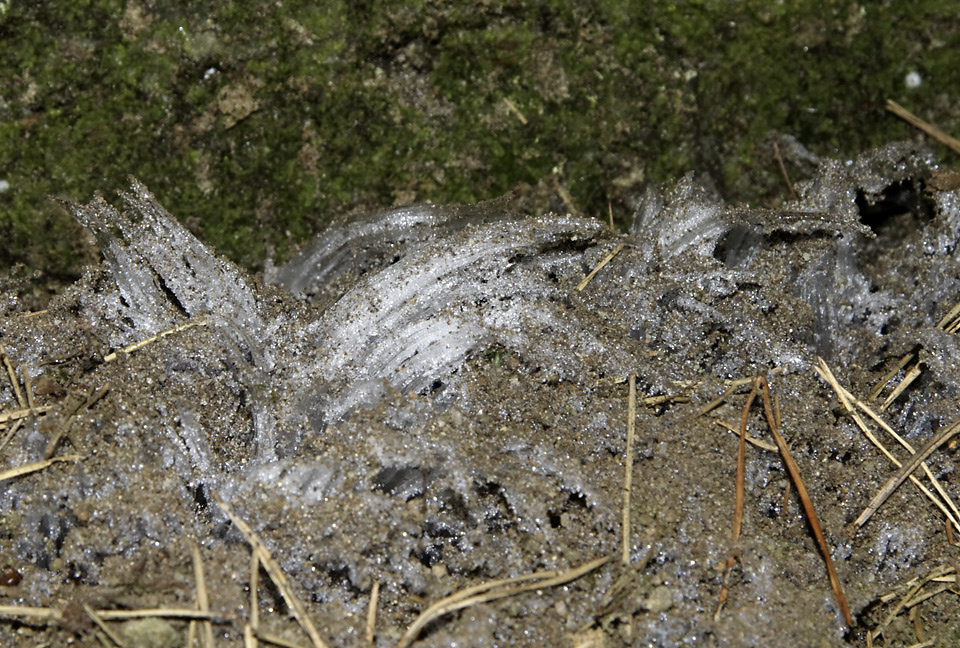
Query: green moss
x=256 y=124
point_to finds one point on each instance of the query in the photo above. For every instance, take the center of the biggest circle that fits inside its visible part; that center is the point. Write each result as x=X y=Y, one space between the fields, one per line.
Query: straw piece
x=593 y=273
x=495 y=590
x=26 y=469
x=275 y=572
x=628 y=465
x=894 y=482
x=372 y=612
x=925 y=126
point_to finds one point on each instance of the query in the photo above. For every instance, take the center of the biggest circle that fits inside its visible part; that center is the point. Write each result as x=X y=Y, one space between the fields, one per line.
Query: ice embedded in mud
x=426 y=400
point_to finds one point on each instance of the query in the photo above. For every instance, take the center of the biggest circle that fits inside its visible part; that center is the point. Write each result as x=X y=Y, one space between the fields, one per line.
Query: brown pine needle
x=275 y=572
x=603 y=262
x=372 y=612
x=738 y=507
x=925 y=126
x=494 y=590
x=628 y=464
x=894 y=482
x=783 y=172
x=807 y=503
x=203 y=600
x=565 y=197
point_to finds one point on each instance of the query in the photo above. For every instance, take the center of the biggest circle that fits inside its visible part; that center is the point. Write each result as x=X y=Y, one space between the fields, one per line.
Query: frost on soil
x=425 y=400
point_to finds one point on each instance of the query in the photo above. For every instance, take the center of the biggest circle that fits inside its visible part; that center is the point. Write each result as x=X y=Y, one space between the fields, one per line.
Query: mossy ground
x=255 y=124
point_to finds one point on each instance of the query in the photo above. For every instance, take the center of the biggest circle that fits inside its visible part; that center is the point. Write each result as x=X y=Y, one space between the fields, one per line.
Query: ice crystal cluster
x=426 y=386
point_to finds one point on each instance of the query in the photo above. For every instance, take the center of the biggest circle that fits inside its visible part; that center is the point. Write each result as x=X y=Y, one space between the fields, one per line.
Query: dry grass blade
x=103 y=626
x=18 y=414
x=752 y=441
x=904 y=361
x=911 y=375
x=203 y=600
x=925 y=126
x=628 y=465
x=894 y=482
x=26 y=469
x=110 y=357
x=738 y=508
x=254 y=598
x=495 y=590
x=87 y=404
x=807 y=503
x=276 y=574
x=372 y=612
x=848 y=400
x=163 y=613
x=516 y=111
x=275 y=640
x=13 y=378
x=603 y=262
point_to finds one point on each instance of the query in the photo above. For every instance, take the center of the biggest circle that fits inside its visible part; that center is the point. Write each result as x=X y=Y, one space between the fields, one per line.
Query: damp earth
x=431 y=398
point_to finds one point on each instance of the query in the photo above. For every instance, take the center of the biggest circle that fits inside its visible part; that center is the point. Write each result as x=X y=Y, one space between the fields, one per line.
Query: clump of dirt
x=431 y=398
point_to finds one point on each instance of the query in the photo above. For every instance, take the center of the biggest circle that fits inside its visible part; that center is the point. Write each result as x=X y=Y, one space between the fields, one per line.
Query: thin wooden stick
x=54 y=614
x=372 y=612
x=925 y=126
x=203 y=600
x=807 y=503
x=628 y=465
x=593 y=273
x=894 y=482
x=460 y=600
x=55 y=441
x=276 y=573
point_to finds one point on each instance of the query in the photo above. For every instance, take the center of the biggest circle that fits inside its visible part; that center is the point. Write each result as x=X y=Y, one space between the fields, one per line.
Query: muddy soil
x=428 y=401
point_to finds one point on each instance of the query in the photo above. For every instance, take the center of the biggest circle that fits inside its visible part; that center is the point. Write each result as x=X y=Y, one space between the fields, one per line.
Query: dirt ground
x=491 y=443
